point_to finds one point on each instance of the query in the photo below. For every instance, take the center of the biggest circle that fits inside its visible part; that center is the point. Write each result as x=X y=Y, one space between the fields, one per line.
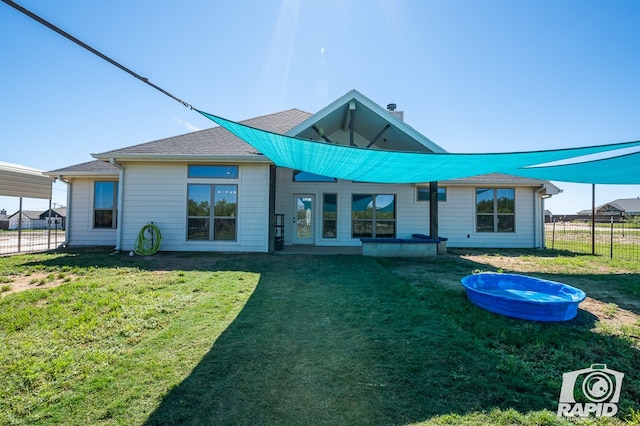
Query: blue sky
x=473 y=76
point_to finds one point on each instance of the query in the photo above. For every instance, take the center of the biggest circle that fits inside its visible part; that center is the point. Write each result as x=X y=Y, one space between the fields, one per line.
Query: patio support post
x=272 y=209
x=433 y=210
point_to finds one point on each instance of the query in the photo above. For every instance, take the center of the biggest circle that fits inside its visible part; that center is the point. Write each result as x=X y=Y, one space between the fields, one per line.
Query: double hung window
x=105 y=202
x=495 y=210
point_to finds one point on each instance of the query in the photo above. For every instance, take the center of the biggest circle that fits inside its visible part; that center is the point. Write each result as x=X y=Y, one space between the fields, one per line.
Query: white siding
x=80 y=230
x=157 y=192
x=456 y=216
x=457 y=220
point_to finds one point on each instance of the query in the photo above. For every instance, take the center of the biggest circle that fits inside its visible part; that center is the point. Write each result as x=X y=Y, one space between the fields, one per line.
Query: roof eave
x=496 y=182
x=84 y=174
x=255 y=158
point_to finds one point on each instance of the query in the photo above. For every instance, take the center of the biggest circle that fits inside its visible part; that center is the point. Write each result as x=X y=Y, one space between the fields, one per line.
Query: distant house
x=37 y=219
x=27 y=219
x=619 y=207
x=210 y=191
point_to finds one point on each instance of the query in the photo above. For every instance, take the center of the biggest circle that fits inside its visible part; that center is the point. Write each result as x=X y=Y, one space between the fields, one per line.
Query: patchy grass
x=260 y=339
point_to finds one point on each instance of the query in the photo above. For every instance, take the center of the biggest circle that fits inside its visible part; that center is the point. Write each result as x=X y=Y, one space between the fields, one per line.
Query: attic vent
x=391 y=107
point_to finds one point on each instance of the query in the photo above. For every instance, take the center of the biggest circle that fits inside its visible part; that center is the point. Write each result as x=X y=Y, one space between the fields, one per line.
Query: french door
x=303 y=218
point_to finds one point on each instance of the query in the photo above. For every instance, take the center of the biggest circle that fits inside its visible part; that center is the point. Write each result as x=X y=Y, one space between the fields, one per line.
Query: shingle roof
x=31 y=214
x=209 y=142
x=631 y=205
x=60 y=211
x=626 y=205
x=97 y=167
x=215 y=141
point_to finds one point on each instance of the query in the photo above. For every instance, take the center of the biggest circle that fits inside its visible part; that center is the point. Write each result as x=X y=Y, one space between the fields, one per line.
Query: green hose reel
x=148 y=241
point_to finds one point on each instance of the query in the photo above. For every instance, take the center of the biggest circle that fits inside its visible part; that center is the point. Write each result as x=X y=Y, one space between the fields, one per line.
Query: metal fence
x=37 y=237
x=616 y=239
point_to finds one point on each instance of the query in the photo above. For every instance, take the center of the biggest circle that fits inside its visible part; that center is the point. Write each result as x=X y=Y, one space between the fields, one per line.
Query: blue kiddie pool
x=521 y=296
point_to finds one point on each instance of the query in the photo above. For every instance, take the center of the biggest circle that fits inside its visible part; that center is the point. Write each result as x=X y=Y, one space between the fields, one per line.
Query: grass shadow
x=347 y=340
x=100 y=257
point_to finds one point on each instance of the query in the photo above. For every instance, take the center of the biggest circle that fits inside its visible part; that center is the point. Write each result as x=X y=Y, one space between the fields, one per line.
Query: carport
x=24 y=182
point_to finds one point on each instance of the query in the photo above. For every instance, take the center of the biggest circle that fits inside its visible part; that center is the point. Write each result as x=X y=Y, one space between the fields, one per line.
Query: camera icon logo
x=594 y=390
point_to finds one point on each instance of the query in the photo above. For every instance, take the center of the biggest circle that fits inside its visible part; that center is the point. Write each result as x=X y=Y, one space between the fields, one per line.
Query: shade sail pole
x=593 y=218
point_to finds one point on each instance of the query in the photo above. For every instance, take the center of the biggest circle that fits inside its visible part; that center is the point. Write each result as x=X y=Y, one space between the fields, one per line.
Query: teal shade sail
x=382 y=166
x=619 y=170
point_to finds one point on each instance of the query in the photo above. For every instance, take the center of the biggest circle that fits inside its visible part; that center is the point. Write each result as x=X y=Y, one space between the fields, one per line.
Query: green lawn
x=322 y=340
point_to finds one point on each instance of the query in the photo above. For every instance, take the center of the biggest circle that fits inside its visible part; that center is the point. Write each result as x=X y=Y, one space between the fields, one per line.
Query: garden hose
x=148 y=241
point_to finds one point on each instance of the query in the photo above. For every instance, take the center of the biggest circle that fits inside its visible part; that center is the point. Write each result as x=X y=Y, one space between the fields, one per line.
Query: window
x=299 y=176
x=329 y=216
x=213 y=171
x=422 y=193
x=495 y=210
x=201 y=215
x=105 y=202
x=373 y=215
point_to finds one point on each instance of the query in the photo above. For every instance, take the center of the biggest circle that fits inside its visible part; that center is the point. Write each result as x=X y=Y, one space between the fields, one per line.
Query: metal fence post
x=611 y=252
x=20 y=225
x=593 y=219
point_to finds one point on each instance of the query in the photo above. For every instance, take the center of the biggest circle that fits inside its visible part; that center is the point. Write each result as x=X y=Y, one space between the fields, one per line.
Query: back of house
x=210 y=191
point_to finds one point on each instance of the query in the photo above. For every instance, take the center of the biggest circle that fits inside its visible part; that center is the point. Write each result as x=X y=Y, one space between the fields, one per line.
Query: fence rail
x=617 y=240
x=38 y=237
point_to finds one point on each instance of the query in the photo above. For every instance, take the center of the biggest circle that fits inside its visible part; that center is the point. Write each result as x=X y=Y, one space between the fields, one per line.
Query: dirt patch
x=34 y=281
x=609 y=312
x=511 y=263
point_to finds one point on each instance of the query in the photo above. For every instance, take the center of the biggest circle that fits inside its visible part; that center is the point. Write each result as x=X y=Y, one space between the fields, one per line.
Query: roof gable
x=355 y=120
x=29 y=214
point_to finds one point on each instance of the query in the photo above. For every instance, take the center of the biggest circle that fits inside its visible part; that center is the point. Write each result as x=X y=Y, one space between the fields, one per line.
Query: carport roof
x=23 y=181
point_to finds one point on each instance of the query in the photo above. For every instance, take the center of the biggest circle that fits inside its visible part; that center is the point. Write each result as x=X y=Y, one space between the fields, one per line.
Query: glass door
x=303 y=219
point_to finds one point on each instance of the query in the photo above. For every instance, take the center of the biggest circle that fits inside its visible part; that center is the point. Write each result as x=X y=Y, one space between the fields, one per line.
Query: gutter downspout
x=539 y=235
x=537 y=208
x=67 y=228
x=112 y=161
